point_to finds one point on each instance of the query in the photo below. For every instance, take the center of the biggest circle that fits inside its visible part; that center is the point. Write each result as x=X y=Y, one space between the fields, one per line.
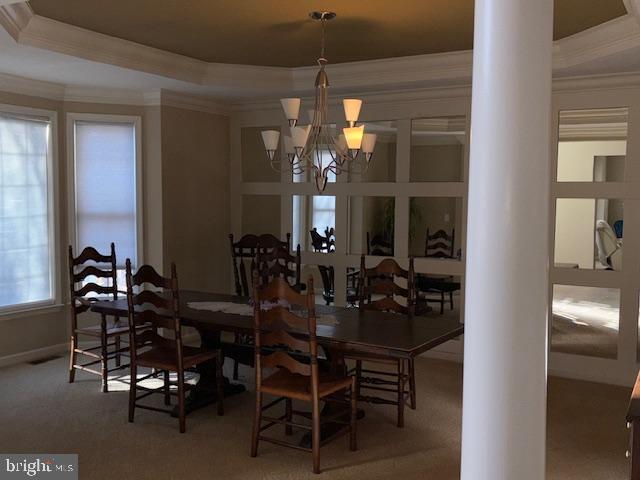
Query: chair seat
x=292 y=385
x=165 y=358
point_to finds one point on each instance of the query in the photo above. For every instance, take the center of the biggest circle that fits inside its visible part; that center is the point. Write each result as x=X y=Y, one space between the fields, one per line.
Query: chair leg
x=412 y=382
x=257 y=420
x=220 y=383
x=72 y=358
x=353 y=442
x=235 y=369
x=451 y=300
x=315 y=435
x=104 y=359
x=167 y=388
x=117 y=345
x=288 y=430
x=181 y=415
x=133 y=380
x=400 y=393
x=441 y=303
x=358 y=377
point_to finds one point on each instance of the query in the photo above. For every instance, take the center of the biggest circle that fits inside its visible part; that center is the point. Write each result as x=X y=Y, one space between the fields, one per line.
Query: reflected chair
x=92 y=277
x=377 y=292
x=437 y=245
x=609 y=248
x=279 y=345
x=153 y=303
x=379 y=246
x=243 y=255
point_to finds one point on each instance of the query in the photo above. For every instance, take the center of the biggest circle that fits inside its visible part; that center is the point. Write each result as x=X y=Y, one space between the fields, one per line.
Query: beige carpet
x=41 y=412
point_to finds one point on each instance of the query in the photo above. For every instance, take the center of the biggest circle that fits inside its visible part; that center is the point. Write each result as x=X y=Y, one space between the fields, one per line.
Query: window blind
x=26 y=245
x=105 y=187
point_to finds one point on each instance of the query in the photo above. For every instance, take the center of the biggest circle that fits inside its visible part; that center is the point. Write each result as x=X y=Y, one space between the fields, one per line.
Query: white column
x=504 y=406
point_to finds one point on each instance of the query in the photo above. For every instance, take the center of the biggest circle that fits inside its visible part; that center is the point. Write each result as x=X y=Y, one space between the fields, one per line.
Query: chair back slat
x=157 y=310
x=244 y=252
x=380 y=280
x=379 y=245
x=279 y=263
x=92 y=271
x=284 y=360
x=440 y=244
x=272 y=329
x=90 y=254
x=94 y=288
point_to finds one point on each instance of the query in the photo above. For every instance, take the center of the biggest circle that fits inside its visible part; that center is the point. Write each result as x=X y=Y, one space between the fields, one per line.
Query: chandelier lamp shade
x=318 y=147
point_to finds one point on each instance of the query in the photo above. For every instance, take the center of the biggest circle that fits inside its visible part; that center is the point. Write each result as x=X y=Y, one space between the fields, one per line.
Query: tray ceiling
x=279 y=33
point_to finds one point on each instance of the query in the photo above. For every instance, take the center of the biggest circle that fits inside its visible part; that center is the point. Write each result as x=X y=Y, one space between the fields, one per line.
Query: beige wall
x=195 y=200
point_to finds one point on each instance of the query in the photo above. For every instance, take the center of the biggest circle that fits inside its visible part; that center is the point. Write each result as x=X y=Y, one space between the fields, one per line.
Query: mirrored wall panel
x=435 y=227
x=585 y=320
x=371 y=225
x=255 y=162
x=314 y=220
x=261 y=214
x=592 y=145
x=589 y=233
x=438 y=149
x=382 y=167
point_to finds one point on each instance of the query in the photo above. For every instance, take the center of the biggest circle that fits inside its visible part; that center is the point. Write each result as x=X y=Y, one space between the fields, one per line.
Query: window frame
x=9 y=312
x=71 y=119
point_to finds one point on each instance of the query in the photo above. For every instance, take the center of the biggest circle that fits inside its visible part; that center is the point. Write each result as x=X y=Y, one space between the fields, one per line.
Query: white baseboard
x=32 y=355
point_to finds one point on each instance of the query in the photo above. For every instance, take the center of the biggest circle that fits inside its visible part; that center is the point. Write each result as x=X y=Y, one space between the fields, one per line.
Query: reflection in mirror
x=589 y=233
x=592 y=145
x=437 y=295
x=435 y=227
x=317 y=214
x=325 y=286
x=255 y=163
x=261 y=214
x=371 y=225
x=585 y=320
x=382 y=167
x=437 y=149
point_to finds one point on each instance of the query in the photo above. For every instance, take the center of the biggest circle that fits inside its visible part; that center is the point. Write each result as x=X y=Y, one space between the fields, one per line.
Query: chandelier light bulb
x=352 y=108
x=291 y=107
x=353 y=136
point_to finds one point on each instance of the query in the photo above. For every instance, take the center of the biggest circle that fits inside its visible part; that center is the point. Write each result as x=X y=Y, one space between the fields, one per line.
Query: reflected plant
x=387 y=221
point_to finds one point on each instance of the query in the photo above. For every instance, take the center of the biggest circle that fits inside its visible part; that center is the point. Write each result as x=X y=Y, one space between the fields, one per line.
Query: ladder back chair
x=279 y=345
x=243 y=255
x=379 y=246
x=279 y=263
x=437 y=245
x=377 y=289
x=152 y=310
x=440 y=244
x=83 y=269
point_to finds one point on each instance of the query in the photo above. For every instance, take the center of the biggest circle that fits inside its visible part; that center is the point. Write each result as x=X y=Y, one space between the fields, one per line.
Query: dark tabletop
x=382 y=332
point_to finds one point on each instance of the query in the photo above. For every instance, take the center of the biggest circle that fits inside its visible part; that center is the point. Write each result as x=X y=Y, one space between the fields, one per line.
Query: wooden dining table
x=340 y=330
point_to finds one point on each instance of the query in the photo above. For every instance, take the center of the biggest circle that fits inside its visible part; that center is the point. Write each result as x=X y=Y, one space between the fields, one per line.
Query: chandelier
x=315 y=147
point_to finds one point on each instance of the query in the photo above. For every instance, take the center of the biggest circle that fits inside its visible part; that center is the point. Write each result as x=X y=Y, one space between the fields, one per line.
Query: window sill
x=31 y=311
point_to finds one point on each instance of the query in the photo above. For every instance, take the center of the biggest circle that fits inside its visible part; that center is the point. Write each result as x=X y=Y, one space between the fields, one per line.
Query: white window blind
x=323 y=213
x=26 y=240
x=105 y=187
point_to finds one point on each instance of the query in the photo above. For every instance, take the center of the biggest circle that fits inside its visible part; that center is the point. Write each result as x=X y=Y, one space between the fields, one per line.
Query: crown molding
x=633 y=8
x=33 y=88
x=14 y=17
x=167 y=98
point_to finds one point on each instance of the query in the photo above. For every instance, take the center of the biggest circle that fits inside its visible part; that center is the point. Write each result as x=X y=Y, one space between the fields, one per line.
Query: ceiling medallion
x=316 y=147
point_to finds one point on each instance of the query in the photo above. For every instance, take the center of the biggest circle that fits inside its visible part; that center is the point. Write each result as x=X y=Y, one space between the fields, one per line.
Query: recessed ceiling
x=280 y=33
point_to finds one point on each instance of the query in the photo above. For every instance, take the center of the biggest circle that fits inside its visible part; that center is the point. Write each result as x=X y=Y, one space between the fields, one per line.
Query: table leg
x=204 y=392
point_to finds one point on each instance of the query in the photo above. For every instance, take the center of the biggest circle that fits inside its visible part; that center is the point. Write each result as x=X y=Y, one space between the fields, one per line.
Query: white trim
x=161 y=97
x=70 y=121
x=15 y=17
x=32 y=355
x=32 y=310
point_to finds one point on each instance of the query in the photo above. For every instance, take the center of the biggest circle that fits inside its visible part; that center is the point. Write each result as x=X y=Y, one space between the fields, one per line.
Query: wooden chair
x=380 y=281
x=86 y=265
x=153 y=310
x=379 y=246
x=323 y=244
x=244 y=252
x=438 y=245
x=280 y=263
x=294 y=379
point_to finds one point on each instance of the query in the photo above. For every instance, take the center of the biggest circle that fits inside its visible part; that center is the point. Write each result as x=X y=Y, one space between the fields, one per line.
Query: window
x=106 y=160
x=27 y=245
x=323 y=212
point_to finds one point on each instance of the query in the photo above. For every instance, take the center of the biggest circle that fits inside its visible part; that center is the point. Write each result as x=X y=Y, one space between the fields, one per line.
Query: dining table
x=340 y=331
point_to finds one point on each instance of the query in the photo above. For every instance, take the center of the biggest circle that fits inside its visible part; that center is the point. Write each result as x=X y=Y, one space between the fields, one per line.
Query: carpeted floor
x=41 y=412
